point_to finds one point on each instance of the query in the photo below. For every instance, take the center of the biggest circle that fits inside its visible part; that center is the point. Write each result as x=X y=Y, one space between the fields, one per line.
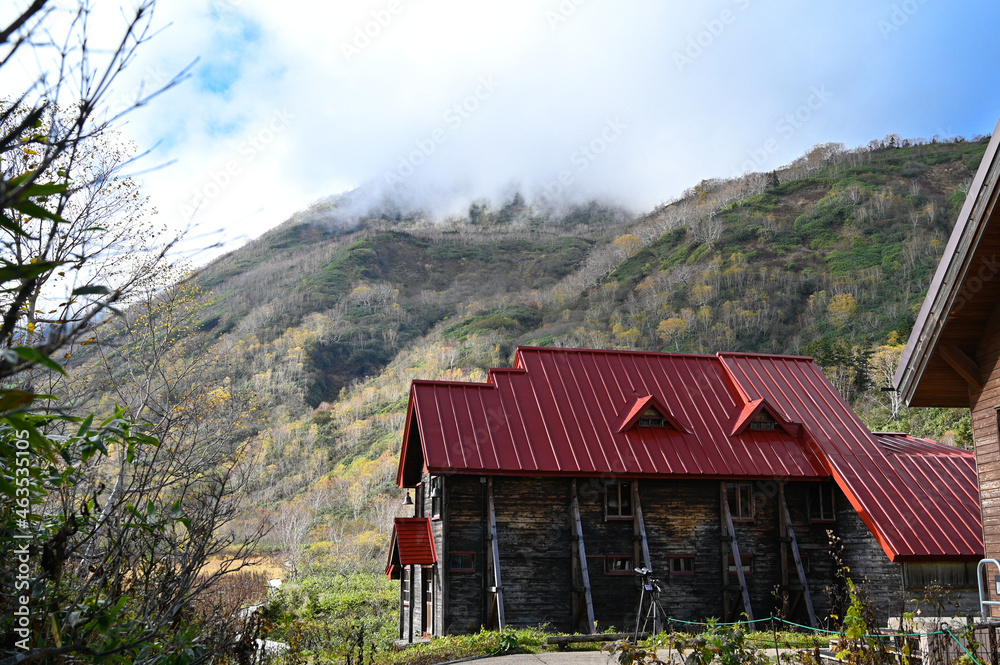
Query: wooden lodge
x=952 y=358
x=539 y=492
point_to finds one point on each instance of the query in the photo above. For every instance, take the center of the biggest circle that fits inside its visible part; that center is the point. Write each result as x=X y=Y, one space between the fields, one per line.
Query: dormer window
x=651 y=418
x=647 y=411
x=763 y=421
x=760 y=416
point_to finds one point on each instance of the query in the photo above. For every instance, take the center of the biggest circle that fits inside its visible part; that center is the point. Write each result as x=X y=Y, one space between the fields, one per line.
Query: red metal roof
x=559 y=412
x=916 y=506
x=412 y=544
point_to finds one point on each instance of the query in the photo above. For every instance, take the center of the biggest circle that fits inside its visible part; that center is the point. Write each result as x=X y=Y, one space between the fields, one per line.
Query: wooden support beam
x=963 y=364
x=787 y=519
x=783 y=533
x=582 y=553
x=640 y=526
x=728 y=530
x=412 y=600
x=727 y=599
x=497 y=583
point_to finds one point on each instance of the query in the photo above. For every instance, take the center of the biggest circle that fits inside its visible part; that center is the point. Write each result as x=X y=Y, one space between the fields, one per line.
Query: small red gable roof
x=753 y=408
x=642 y=403
x=562 y=412
x=412 y=544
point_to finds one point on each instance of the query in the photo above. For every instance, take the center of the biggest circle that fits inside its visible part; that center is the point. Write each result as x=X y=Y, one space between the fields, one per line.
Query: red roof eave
x=942 y=293
x=404 y=452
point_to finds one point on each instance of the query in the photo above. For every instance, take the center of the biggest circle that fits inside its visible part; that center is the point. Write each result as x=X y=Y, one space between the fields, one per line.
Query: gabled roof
x=412 y=544
x=642 y=403
x=938 y=364
x=558 y=412
x=753 y=408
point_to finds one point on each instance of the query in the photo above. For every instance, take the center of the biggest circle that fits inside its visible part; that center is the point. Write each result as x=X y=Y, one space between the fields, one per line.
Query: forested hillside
x=317 y=328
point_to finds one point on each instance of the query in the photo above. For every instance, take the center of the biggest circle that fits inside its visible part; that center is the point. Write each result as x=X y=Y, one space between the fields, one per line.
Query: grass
x=259 y=564
x=531 y=640
x=787 y=639
x=454 y=647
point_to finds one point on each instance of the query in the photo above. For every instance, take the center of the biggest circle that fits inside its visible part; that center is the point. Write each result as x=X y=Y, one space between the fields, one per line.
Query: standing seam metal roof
x=558 y=411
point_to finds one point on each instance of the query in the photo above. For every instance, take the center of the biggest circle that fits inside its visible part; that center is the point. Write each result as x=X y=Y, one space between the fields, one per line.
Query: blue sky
x=455 y=100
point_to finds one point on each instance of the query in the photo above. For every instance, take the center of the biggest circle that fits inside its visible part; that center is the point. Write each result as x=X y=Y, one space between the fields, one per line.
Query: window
x=740 y=500
x=619 y=565
x=821 y=502
x=619 y=500
x=746 y=559
x=405 y=582
x=955 y=574
x=682 y=565
x=427 y=616
x=462 y=562
x=651 y=418
x=437 y=492
x=763 y=421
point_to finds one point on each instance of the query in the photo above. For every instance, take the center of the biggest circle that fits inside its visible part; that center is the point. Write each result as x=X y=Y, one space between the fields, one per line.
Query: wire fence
x=964 y=643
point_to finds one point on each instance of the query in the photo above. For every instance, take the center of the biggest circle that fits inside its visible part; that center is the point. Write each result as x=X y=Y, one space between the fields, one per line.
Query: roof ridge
x=748 y=354
x=448 y=382
x=614 y=352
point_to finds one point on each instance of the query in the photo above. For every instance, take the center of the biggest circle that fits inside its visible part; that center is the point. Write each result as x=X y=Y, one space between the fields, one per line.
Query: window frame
x=428 y=598
x=688 y=558
x=744 y=511
x=437 y=502
x=609 y=563
x=406 y=584
x=452 y=568
x=651 y=417
x=763 y=422
x=615 y=488
x=816 y=493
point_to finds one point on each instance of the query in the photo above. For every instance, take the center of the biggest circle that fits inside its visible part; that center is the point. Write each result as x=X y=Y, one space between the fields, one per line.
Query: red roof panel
x=916 y=504
x=560 y=412
x=412 y=544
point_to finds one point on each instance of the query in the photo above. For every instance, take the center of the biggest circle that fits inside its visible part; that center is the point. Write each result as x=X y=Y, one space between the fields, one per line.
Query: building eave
x=947 y=285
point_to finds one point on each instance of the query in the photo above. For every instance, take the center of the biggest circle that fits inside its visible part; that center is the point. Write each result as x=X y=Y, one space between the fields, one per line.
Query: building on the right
x=952 y=358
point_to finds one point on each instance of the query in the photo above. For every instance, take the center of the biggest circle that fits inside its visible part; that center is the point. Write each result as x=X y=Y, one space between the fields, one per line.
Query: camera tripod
x=649 y=604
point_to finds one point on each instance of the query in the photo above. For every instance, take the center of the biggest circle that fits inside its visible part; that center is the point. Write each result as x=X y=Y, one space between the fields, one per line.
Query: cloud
x=631 y=101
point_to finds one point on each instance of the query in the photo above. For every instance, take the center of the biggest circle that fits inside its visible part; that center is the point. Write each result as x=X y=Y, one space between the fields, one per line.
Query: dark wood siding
x=615 y=595
x=814 y=543
x=984 y=404
x=466 y=525
x=880 y=580
x=682 y=518
x=533 y=530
